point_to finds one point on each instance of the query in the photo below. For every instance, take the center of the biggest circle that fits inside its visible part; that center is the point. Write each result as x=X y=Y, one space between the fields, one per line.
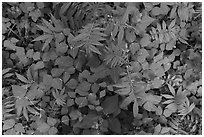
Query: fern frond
x=114 y=56
x=90 y=36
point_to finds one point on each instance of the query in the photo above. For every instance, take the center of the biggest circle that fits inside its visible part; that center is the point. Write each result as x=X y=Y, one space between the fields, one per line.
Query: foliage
x=101 y=68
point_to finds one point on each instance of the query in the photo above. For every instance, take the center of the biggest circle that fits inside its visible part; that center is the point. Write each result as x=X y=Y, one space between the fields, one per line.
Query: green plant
x=101 y=68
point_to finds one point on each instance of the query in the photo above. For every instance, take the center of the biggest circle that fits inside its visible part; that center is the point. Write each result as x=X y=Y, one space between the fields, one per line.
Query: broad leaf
x=43 y=127
x=81 y=101
x=9 y=123
x=65 y=119
x=110 y=104
x=51 y=121
x=114 y=125
x=18 y=91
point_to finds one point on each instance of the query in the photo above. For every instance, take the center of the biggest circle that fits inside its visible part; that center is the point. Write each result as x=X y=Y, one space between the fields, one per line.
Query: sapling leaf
x=22 y=78
x=65 y=119
x=43 y=127
x=18 y=91
x=9 y=123
x=110 y=104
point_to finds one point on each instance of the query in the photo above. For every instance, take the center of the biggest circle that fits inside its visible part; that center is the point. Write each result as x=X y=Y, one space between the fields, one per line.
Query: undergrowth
x=101 y=68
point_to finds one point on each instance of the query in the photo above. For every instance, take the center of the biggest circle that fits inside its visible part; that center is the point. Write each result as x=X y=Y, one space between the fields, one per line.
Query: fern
x=8 y=105
x=115 y=56
x=89 y=38
x=50 y=29
x=133 y=89
x=164 y=34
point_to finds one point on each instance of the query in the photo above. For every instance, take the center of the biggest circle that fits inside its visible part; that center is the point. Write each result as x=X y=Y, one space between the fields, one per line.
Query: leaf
x=102 y=93
x=20 y=104
x=134 y=47
x=35 y=14
x=130 y=36
x=172 y=24
x=157 y=129
x=9 y=123
x=94 y=41
x=81 y=101
x=40 y=5
x=51 y=121
x=65 y=61
x=168 y=96
x=25 y=113
x=164 y=25
x=156 y=11
x=135 y=108
x=39 y=65
x=72 y=83
x=167 y=112
x=114 y=125
x=43 y=127
x=60 y=97
x=158 y=57
x=74 y=114
x=4 y=71
x=80 y=37
x=18 y=91
x=84 y=86
x=74 y=52
x=65 y=120
x=47 y=80
x=22 y=78
x=57 y=24
x=98 y=108
x=145 y=41
x=50 y=27
x=114 y=56
x=53 y=131
x=70 y=102
x=47 y=42
x=57 y=83
x=146 y=21
x=159 y=110
x=8 y=44
x=36 y=56
x=66 y=77
x=159 y=27
x=171 y=89
x=94 y=49
x=157 y=82
x=45 y=29
x=127 y=101
x=57 y=72
x=165 y=130
x=32 y=110
x=61 y=48
x=199 y=91
x=110 y=104
x=19 y=128
x=64 y=7
x=172 y=107
x=120 y=35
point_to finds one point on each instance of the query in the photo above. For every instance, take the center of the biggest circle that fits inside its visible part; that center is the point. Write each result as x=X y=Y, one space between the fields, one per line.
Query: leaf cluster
x=101 y=68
